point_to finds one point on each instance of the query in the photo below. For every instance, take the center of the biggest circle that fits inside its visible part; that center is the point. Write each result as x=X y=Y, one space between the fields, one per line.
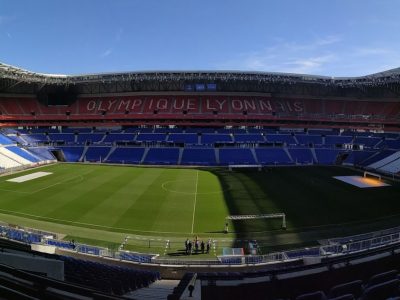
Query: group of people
x=197 y=246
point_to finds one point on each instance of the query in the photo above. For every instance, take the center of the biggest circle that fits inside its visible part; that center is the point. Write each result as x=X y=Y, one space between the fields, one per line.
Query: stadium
x=273 y=179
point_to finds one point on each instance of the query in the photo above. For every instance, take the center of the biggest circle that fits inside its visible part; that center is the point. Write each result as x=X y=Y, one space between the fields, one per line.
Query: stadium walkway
x=157 y=290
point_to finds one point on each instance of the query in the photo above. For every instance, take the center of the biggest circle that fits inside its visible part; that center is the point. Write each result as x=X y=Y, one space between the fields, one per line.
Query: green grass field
x=103 y=204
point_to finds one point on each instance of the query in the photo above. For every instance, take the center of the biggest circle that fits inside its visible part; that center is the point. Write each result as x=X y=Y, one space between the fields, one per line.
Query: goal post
x=372 y=175
x=263 y=216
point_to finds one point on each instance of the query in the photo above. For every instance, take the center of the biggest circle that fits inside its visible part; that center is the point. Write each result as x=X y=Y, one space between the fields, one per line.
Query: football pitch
x=106 y=203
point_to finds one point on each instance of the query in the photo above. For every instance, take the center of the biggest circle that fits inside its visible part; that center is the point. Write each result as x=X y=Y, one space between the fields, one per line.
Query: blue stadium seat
x=326 y=156
x=377 y=157
x=305 y=139
x=151 y=137
x=126 y=155
x=357 y=157
x=112 y=279
x=42 y=152
x=281 y=138
x=186 y=138
x=212 y=138
x=272 y=156
x=368 y=142
x=382 y=291
x=301 y=155
x=392 y=143
x=162 y=156
x=198 y=156
x=90 y=137
x=4 y=140
x=382 y=277
x=249 y=138
x=354 y=288
x=236 y=156
x=319 y=295
x=338 y=140
x=68 y=138
x=23 y=153
x=35 y=138
x=96 y=153
x=114 y=137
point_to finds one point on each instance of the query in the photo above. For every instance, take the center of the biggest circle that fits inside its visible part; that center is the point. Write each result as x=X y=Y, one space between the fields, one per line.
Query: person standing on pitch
x=187 y=246
x=208 y=246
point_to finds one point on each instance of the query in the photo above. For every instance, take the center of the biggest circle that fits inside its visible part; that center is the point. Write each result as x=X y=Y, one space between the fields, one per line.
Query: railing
x=334 y=247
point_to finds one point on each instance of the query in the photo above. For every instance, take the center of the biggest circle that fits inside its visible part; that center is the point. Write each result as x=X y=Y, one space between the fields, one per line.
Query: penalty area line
x=195 y=199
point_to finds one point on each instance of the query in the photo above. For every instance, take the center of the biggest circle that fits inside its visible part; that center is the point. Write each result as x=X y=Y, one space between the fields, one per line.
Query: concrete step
x=157 y=290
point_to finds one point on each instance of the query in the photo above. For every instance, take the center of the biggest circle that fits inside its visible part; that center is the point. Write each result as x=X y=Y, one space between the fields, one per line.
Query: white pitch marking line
x=19 y=214
x=195 y=199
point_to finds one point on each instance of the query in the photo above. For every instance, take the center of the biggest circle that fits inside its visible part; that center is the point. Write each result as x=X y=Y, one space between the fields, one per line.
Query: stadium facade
x=203 y=98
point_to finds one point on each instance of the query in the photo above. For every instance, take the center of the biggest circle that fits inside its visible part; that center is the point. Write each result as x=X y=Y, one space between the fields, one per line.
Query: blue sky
x=323 y=37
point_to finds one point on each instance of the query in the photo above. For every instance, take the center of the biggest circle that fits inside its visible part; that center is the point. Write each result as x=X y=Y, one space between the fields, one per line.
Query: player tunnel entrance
x=59 y=155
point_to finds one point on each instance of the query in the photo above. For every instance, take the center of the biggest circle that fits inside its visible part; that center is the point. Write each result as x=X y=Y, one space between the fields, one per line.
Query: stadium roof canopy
x=14 y=79
x=11 y=72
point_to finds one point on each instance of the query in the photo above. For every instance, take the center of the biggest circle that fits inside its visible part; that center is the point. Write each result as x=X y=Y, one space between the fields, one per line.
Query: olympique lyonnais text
x=193 y=105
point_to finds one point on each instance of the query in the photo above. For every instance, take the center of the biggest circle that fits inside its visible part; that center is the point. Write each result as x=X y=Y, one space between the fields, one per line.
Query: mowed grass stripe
x=144 y=202
x=81 y=198
x=37 y=203
x=211 y=208
x=115 y=197
x=166 y=209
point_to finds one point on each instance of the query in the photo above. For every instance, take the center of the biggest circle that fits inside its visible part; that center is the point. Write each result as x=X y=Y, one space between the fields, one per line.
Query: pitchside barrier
x=232 y=167
x=378 y=240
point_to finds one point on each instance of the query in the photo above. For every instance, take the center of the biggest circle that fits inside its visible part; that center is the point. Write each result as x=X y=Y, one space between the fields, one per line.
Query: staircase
x=369 y=157
x=102 y=139
x=180 y=155
x=288 y=153
x=314 y=155
x=109 y=153
x=253 y=152
x=32 y=154
x=157 y=290
x=85 y=149
x=146 y=150
x=217 y=156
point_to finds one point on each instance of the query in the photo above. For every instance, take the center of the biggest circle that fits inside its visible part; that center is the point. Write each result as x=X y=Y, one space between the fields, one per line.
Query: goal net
x=263 y=216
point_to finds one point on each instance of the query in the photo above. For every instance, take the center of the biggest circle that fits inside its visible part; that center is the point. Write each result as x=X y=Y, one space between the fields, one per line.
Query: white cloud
x=106 y=53
x=117 y=38
x=309 y=64
x=329 y=40
x=291 y=57
x=330 y=56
